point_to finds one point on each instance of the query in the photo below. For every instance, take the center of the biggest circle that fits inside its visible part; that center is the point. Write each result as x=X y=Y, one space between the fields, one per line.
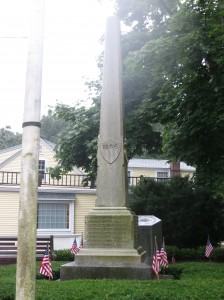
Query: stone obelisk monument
x=110 y=249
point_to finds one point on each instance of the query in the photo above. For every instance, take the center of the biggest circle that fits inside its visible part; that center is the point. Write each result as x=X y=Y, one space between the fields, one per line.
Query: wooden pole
x=27 y=219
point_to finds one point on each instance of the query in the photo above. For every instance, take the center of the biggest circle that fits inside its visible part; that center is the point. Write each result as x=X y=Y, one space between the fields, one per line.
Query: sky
x=72 y=31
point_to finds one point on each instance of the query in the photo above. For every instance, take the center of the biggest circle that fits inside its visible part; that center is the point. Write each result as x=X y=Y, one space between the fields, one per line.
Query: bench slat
x=8 y=248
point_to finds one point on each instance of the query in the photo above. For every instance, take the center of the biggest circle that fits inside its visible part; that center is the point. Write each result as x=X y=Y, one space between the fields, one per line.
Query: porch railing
x=68 y=180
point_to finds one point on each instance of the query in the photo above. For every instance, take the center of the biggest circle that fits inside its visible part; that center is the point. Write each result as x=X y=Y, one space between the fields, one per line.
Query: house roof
x=11 y=157
x=10 y=149
x=155 y=164
x=47 y=143
x=133 y=163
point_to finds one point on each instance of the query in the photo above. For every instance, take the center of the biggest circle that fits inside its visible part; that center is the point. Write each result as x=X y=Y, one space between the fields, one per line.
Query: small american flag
x=163 y=256
x=156 y=260
x=74 y=249
x=208 y=248
x=45 y=266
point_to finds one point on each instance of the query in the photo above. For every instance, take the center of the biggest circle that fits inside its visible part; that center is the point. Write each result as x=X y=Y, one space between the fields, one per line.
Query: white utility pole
x=27 y=220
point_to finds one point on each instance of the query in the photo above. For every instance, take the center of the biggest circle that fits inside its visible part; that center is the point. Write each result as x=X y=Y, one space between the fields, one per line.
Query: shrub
x=187 y=211
x=218 y=254
x=185 y=254
x=172 y=270
x=199 y=280
x=63 y=255
x=172 y=250
x=188 y=254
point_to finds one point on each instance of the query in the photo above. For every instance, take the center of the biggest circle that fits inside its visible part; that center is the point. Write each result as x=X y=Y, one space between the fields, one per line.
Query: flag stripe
x=208 y=248
x=45 y=266
x=163 y=257
x=74 y=249
x=156 y=259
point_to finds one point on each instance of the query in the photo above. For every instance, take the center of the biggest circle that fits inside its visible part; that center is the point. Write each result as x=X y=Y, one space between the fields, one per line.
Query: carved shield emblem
x=110 y=150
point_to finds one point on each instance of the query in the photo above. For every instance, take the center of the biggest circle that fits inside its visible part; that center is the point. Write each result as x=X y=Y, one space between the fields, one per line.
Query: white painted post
x=27 y=220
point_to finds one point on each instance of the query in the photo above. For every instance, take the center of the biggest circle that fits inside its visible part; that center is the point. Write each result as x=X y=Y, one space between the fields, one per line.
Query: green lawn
x=199 y=280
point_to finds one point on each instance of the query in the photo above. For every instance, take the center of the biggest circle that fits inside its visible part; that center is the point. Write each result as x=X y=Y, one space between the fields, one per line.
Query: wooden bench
x=8 y=248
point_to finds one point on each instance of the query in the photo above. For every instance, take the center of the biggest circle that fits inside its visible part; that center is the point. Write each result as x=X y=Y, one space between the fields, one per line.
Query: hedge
x=199 y=280
x=64 y=254
x=180 y=254
x=189 y=254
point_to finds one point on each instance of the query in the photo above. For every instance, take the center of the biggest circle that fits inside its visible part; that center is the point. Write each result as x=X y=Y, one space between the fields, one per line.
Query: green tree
x=175 y=64
x=77 y=142
x=173 y=83
x=188 y=212
x=9 y=138
x=51 y=126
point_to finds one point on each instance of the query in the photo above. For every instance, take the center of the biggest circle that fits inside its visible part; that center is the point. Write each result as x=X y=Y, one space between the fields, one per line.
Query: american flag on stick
x=74 y=249
x=208 y=248
x=163 y=256
x=156 y=260
x=45 y=266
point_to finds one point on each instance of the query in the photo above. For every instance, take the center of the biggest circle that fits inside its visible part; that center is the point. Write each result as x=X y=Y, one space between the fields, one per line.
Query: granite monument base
x=106 y=271
x=110 y=248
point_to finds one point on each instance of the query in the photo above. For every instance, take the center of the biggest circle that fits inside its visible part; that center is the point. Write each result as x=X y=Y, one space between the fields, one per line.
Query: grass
x=199 y=280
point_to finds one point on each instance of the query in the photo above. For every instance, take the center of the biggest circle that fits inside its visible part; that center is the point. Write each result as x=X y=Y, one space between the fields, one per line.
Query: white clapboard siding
x=84 y=203
x=47 y=155
x=13 y=166
x=9 y=207
x=137 y=172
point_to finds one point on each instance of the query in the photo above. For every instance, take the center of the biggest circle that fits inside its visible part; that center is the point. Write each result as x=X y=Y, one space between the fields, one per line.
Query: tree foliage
x=176 y=69
x=173 y=89
x=9 y=138
x=188 y=212
x=51 y=126
x=77 y=142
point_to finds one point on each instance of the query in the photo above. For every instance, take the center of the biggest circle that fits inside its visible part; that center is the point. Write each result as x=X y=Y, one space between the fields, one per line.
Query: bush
x=187 y=211
x=188 y=254
x=172 y=270
x=199 y=280
x=63 y=255
x=218 y=254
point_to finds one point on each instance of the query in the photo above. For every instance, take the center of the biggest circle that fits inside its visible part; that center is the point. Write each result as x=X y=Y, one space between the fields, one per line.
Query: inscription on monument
x=110 y=150
x=109 y=232
x=110 y=146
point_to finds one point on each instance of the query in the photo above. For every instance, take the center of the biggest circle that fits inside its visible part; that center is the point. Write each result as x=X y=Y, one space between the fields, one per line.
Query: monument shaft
x=111 y=156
